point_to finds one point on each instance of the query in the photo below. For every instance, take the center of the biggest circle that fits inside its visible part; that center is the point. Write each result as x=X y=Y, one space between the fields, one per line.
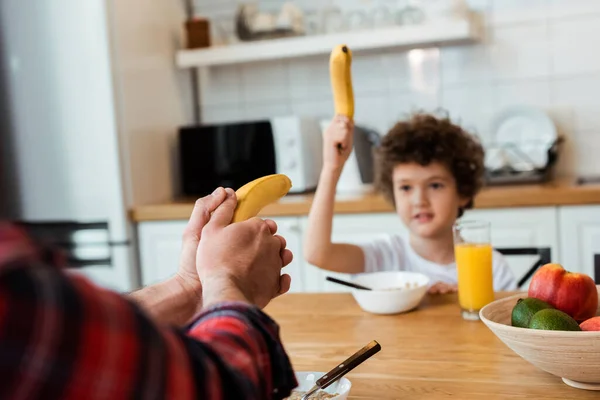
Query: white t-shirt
x=394 y=253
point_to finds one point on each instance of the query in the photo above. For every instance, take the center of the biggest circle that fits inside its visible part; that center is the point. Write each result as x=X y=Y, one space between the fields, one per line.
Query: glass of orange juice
x=473 y=254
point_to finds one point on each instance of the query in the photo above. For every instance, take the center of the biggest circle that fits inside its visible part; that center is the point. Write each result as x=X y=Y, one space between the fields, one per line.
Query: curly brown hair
x=426 y=138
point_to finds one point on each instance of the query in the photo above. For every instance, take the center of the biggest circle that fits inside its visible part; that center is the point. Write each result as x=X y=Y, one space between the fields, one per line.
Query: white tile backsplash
x=482 y=6
x=507 y=12
x=265 y=81
x=575 y=45
x=418 y=70
x=258 y=111
x=221 y=85
x=368 y=75
x=580 y=94
x=471 y=106
x=395 y=65
x=528 y=92
x=586 y=149
x=520 y=51
x=465 y=65
x=222 y=114
x=313 y=108
x=372 y=111
x=205 y=6
x=309 y=78
x=569 y=8
x=403 y=104
x=541 y=53
x=563 y=117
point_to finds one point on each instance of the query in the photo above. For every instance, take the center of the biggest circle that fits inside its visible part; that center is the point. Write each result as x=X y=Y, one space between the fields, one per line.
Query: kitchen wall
x=537 y=52
x=153 y=96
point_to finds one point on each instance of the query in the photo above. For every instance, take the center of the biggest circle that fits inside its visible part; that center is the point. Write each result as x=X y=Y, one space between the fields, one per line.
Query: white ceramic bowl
x=393 y=292
x=307 y=379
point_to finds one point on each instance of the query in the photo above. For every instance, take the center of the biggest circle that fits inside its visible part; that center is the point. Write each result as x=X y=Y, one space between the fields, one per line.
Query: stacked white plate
x=521 y=138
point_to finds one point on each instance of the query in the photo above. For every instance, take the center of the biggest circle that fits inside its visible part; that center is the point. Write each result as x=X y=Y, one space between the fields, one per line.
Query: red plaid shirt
x=63 y=338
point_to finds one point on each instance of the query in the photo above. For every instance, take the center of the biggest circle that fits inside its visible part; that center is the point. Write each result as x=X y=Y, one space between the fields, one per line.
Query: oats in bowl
x=320 y=395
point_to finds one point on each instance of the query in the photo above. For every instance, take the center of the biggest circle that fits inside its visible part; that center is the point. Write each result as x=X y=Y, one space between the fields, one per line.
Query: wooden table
x=429 y=353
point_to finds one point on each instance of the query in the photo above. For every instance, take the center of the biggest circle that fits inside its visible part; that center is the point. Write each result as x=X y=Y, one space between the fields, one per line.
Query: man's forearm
x=172 y=302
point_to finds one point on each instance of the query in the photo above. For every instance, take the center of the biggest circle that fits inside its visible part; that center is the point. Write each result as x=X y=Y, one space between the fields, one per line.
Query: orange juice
x=475 y=280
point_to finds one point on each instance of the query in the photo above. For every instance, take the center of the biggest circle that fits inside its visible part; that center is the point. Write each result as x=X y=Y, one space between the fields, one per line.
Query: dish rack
x=522 y=170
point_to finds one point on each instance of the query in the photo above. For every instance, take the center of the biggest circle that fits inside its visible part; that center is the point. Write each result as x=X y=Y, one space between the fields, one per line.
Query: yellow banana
x=253 y=196
x=340 y=63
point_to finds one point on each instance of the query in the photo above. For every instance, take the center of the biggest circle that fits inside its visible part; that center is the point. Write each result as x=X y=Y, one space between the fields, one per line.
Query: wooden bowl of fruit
x=555 y=326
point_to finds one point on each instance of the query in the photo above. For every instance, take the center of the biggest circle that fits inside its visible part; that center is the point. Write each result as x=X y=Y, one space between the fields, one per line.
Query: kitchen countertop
x=429 y=353
x=555 y=193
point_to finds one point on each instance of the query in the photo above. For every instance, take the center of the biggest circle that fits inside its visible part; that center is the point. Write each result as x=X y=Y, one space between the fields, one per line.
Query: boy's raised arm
x=318 y=248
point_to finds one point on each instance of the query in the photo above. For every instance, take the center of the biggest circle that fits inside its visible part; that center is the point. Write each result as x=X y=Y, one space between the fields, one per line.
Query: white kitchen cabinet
x=580 y=239
x=160 y=248
x=290 y=229
x=350 y=228
x=525 y=233
x=532 y=231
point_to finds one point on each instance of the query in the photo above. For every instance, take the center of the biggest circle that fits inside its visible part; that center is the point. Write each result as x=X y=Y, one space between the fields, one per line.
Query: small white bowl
x=307 y=379
x=393 y=292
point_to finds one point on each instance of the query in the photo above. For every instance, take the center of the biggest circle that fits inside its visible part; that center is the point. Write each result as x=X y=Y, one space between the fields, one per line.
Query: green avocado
x=553 y=320
x=525 y=309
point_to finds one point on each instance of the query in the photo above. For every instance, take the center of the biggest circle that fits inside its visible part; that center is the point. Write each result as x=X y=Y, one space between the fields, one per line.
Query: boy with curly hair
x=430 y=170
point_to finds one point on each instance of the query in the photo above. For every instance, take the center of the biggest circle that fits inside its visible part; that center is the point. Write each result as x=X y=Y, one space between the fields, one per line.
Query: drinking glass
x=473 y=255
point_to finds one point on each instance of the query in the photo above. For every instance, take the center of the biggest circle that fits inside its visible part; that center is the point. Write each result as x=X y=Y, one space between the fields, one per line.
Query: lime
x=553 y=320
x=525 y=309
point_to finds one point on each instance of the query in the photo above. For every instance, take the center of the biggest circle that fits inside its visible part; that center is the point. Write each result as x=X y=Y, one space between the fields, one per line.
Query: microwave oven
x=233 y=154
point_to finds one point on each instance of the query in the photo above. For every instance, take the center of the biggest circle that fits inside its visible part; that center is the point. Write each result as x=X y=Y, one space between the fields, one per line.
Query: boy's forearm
x=320 y=217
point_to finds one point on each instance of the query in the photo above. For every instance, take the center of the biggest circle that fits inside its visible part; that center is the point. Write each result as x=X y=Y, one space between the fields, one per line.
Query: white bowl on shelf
x=393 y=292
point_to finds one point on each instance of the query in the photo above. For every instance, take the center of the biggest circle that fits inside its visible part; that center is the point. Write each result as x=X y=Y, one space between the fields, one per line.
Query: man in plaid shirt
x=199 y=335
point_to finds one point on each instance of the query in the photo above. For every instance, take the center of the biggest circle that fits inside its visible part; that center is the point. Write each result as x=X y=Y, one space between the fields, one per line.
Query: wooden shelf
x=434 y=33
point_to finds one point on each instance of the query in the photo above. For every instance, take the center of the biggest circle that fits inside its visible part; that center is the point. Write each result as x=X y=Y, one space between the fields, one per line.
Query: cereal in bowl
x=320 y=395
